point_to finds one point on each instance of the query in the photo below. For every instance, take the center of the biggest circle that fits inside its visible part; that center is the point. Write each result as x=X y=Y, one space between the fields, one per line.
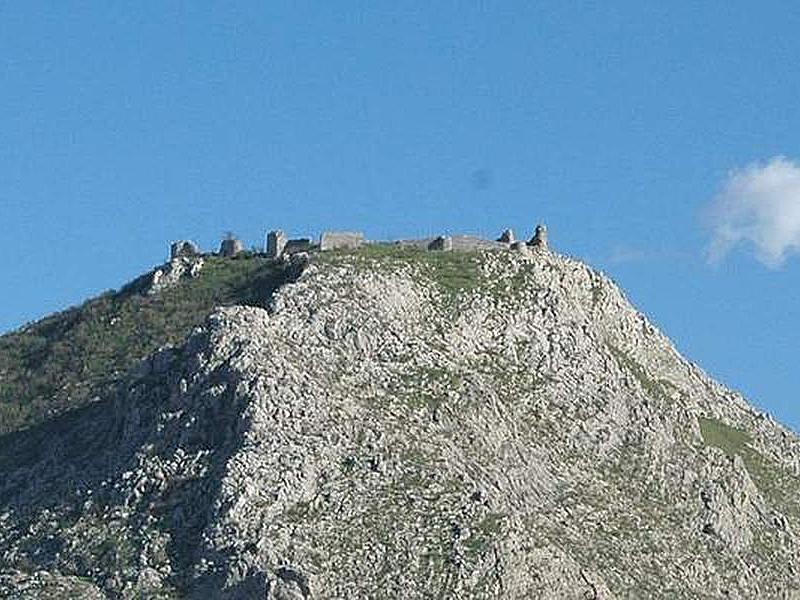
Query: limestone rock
x=486 y=425
x=183 y=249
x=173 y=272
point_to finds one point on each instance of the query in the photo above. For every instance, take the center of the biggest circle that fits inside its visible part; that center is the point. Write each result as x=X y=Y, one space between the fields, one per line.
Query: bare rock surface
x=399 y=428
x=173 y=272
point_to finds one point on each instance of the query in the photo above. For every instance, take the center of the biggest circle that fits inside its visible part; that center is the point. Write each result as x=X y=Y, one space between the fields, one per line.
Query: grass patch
x=728 y=439
x=455 y=272
x=656 y=389
x=780 y=488
x=427 y=387
x=485 y=532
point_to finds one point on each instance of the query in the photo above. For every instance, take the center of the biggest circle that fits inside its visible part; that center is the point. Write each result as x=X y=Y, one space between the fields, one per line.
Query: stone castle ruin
x=341 y=240
x=230 y=246
x=186 y=259
x=277 y=244
x=539 y=239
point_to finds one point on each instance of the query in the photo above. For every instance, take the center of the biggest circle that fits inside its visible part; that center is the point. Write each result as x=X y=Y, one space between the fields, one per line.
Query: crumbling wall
x=338 y=240
x=472 y=242
x=441 y=243
x=298 y=245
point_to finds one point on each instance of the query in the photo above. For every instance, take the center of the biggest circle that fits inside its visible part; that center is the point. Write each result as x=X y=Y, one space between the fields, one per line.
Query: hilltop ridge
x=65 y=360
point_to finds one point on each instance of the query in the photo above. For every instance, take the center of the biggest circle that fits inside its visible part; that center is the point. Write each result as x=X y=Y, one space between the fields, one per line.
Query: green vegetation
x=487 y=531
x=427 y=387
x=780 y=488
x=597 y=293
x=455 y=272
x=728 y=439
x=656 y=389
x=62 y=362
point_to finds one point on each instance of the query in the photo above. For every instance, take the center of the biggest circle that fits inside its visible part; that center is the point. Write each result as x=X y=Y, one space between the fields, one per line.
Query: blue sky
x=643 y=134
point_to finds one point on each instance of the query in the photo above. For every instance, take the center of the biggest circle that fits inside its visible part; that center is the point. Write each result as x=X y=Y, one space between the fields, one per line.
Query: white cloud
x=758 y=205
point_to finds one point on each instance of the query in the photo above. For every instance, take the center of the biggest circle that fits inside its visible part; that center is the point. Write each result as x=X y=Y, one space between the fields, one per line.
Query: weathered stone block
x=276 y=242
x=337 y=240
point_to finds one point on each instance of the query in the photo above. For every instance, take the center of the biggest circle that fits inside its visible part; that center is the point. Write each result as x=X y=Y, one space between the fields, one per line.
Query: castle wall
x=336 y=240
x=299 y=245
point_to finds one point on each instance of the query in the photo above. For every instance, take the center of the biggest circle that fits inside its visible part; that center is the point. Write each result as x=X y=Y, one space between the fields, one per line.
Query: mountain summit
x=383 y=422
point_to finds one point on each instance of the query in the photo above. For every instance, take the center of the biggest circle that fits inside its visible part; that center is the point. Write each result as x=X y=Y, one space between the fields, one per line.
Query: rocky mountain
x=389 y=423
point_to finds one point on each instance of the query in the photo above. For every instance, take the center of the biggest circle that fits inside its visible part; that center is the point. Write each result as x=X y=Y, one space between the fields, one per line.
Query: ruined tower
x=276 y=242
x=230 y=246
x=539 y=239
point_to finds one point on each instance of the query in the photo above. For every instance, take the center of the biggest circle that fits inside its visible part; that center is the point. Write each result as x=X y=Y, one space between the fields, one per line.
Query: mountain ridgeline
x=382 y=422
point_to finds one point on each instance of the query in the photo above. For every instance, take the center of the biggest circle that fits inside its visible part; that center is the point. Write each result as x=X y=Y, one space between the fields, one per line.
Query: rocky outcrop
x=173 y=272
x=183 y=249
x=490 y=425
x=42 y=584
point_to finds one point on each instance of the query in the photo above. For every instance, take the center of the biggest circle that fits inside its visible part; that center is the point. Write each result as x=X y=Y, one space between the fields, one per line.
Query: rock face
x=183 y=249
x=173 y=272
x=455 y=425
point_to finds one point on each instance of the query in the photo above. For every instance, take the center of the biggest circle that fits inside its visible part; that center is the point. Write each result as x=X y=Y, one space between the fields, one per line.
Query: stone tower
x=507 y=237
x=540 y=237
x=276 y=242
x=230 y=247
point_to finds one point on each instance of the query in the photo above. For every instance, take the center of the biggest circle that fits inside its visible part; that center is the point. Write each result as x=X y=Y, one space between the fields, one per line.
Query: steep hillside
x=409 y=424
x=63 y=361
